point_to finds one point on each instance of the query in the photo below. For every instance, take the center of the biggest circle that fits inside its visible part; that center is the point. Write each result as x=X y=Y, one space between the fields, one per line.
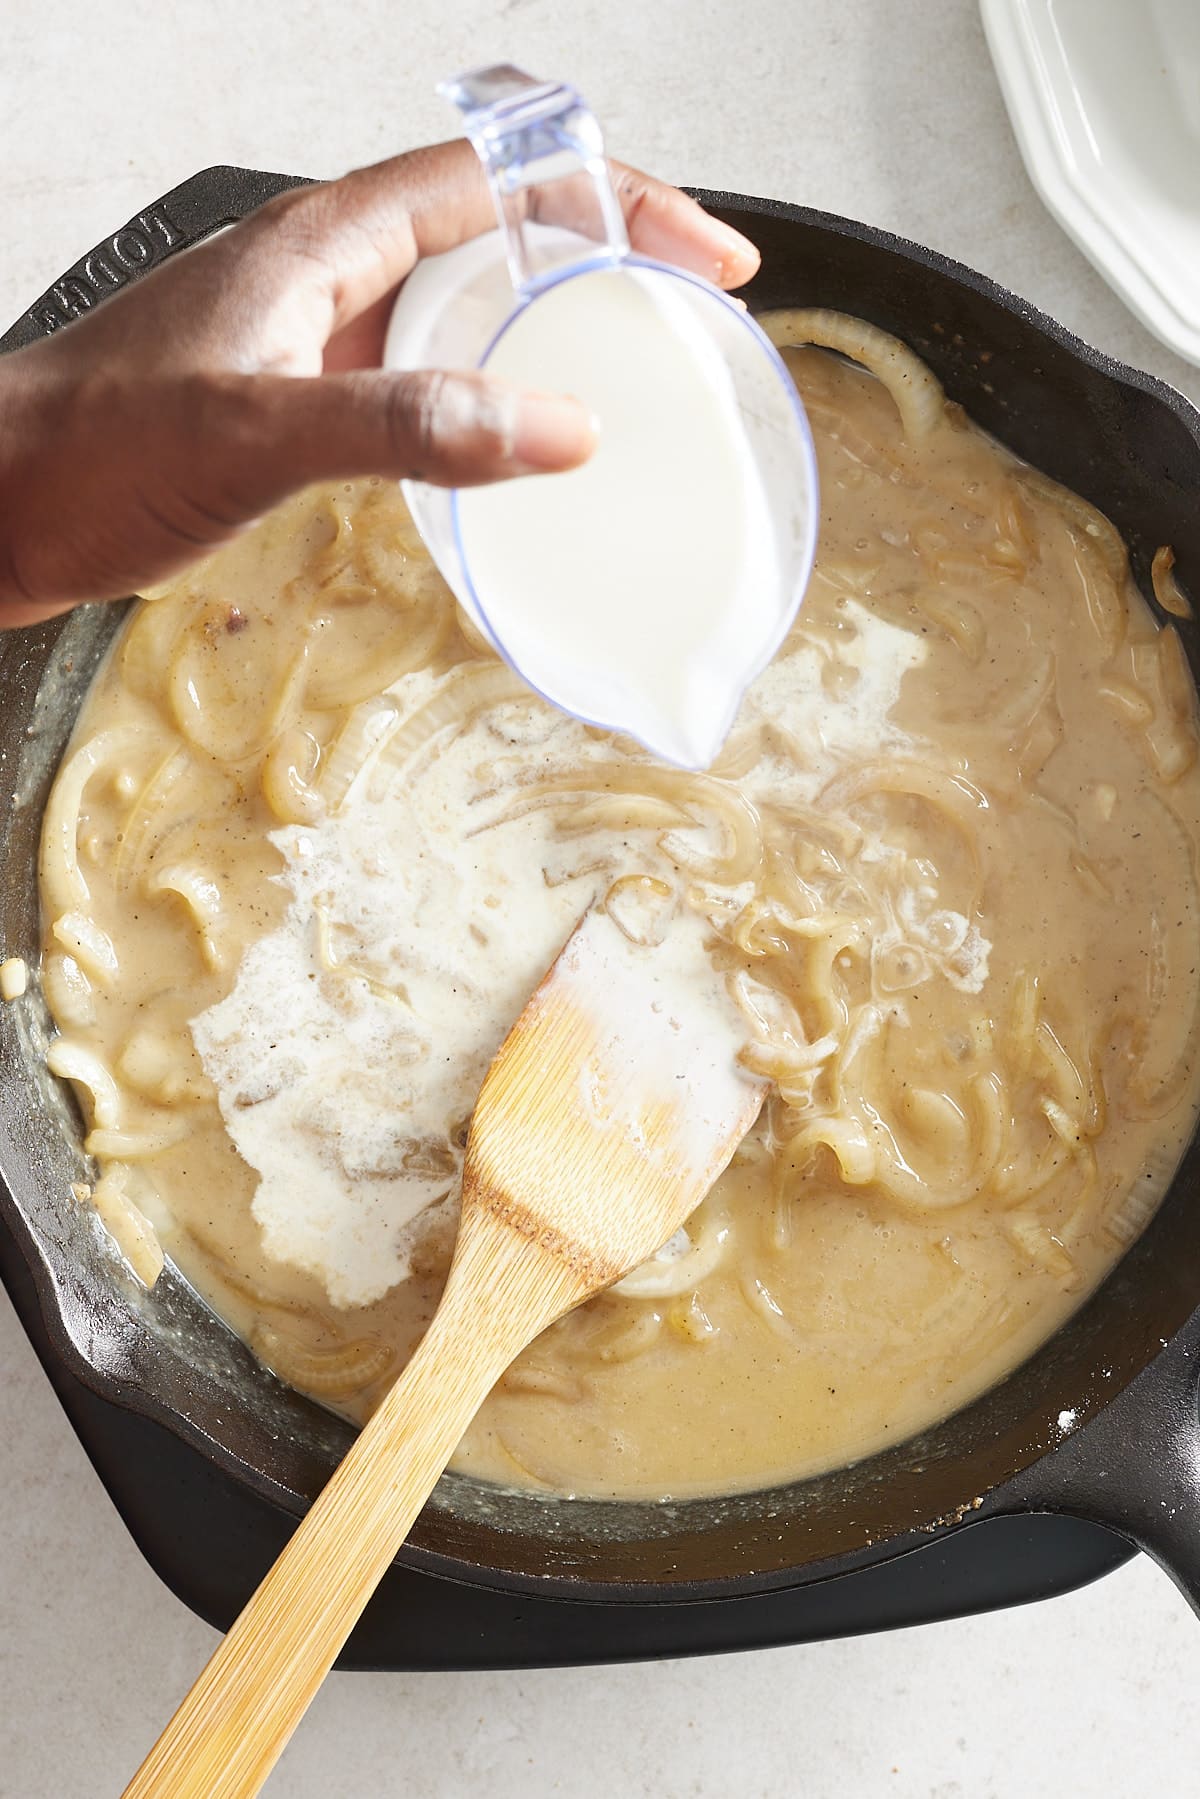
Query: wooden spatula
x=612 y=1106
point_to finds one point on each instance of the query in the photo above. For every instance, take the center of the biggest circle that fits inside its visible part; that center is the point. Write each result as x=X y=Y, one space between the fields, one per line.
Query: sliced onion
x=475 y=688
x=1167 y=590
x=335 y=1373
x=667 y=1275
x=914 y=388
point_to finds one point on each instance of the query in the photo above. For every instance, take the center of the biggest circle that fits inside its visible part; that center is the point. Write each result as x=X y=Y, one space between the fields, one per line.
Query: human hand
x=156 y=427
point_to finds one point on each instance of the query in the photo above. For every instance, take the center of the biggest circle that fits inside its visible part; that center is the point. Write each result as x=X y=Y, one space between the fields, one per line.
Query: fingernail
x=736 y=257
x=552 y=431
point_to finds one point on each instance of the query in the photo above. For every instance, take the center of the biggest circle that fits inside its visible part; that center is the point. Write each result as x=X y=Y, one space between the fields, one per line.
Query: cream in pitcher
x=645 y=590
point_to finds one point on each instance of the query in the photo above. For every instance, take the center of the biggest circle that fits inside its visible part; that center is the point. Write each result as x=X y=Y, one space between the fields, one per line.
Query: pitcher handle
x=530 y=136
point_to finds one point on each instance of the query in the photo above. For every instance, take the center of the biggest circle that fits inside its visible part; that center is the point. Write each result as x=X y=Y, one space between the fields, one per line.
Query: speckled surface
x=876 y=108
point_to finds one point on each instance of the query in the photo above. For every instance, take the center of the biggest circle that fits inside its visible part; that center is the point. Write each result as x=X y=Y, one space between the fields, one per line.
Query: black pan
x=1100 y=1424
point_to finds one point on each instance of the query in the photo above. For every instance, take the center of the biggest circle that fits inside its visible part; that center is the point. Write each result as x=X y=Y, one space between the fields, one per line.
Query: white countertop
x=880 y=109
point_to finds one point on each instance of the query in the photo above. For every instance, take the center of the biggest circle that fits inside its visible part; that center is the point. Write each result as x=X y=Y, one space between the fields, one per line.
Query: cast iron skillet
x=1101 y=1423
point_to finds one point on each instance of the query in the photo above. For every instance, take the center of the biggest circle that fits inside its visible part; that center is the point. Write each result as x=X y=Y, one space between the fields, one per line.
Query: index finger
x=366 y=231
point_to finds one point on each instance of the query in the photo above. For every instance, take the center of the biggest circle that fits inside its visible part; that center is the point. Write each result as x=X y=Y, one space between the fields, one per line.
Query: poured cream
x=437 y=918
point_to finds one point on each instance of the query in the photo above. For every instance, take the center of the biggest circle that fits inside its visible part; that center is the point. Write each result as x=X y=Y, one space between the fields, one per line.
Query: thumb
x=113 y=481
x=450 y=429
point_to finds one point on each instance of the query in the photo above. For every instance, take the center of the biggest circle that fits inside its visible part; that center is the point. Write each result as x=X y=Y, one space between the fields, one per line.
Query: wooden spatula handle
x=230 y=1730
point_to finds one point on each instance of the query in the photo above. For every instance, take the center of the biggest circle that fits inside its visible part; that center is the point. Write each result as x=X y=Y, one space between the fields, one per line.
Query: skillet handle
x=1135 y=1467
x=192 y=211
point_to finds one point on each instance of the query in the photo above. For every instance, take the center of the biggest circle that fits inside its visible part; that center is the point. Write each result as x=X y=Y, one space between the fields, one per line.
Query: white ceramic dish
x=1104 y=98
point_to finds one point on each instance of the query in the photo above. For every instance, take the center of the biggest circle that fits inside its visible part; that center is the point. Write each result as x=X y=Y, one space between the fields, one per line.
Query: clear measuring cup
x=644 y=591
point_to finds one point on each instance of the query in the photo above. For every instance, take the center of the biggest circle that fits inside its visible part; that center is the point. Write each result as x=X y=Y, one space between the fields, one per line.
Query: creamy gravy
x=312 y=846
